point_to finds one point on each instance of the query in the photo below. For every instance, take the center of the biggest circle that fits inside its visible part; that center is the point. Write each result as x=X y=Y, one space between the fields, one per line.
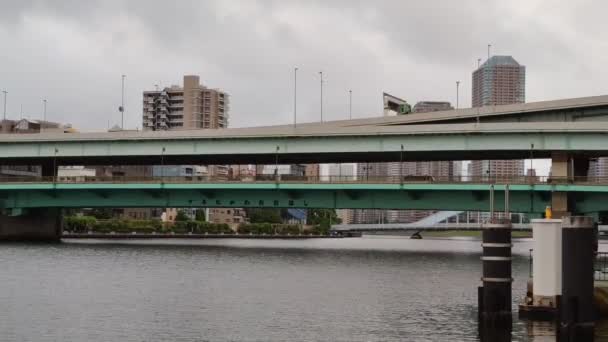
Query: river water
x=359 y=289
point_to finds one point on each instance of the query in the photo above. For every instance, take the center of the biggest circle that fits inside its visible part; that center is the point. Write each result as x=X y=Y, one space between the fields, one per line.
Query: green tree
x=265 y=215
x=200 y=215
x=322 y=217
x=181 y=216
x=102 y=213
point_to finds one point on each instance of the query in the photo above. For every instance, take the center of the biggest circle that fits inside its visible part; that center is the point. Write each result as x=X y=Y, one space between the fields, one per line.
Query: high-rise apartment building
x=497 y=168
x=501 y=80
x=192 y=106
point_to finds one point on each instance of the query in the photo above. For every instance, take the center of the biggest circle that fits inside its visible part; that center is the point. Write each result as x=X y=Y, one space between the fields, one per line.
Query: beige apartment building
x=191 y=106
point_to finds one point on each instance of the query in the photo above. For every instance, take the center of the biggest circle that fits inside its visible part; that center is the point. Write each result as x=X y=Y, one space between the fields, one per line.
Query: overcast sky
x=74 y=52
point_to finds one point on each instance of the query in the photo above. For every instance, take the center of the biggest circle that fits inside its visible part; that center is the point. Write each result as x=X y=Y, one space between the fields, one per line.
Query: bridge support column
x=565 y=168
x=576 y=304
x=33 y=224
x=559 y=173
x=495 y=320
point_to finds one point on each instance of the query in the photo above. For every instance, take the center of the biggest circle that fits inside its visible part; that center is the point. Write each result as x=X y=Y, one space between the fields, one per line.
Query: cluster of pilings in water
x=563 y=283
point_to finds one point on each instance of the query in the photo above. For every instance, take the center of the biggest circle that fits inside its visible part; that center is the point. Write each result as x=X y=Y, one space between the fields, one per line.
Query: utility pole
x=457 y=94
x=122 y=103
x=321 y=74
x=5 y=92
x=295 y=95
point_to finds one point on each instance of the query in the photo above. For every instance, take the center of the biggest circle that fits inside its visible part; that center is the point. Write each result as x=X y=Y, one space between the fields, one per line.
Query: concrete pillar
x=559 y=173
x=566 y=168
x=577 y=314
x=495 y=294
x=33 y=224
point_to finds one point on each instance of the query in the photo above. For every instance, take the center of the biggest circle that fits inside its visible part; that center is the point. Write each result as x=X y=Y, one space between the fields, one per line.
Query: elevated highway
x=264 y=146
x=571 y=126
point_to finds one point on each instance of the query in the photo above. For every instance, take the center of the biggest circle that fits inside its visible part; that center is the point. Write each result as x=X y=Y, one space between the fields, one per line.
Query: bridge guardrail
x=270 y=178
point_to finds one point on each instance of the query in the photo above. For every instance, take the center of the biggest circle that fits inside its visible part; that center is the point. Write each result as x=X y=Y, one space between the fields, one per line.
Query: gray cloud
x=73 y=53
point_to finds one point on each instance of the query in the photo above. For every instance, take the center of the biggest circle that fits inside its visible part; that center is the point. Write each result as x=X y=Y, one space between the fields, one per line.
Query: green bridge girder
x=525 y=198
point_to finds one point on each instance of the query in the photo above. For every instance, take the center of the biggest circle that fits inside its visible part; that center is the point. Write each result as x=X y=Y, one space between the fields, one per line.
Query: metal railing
x=271 y=178
x=601 y=266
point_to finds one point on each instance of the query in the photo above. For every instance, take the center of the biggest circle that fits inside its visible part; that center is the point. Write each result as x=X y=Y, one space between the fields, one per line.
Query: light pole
x=531 y=158
x=401 y=166
x=478 y=62
x=457 y=95
x=276 y=164
x=162 y=164
x=55 y=166
x=350 y=104
x=122 y=103
x=321 y=74
x=43 y=114
x=5 y=92
x=489 y=46
x=295 y=95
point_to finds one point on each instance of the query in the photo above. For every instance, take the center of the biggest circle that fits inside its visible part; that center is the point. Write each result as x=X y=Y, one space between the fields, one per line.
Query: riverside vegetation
x=85 y=224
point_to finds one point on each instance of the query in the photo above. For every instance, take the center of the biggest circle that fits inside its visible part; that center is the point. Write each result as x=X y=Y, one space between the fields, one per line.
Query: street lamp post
x=5 y=92
x=162 y=164
x=531 y=157
x=276 y=164
x=55 y=165
x=122 y=103
x=295 y=95
x=43 y=115
x=457 y=95
x=350 y=104
x=401 y=166
x=321 y=74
